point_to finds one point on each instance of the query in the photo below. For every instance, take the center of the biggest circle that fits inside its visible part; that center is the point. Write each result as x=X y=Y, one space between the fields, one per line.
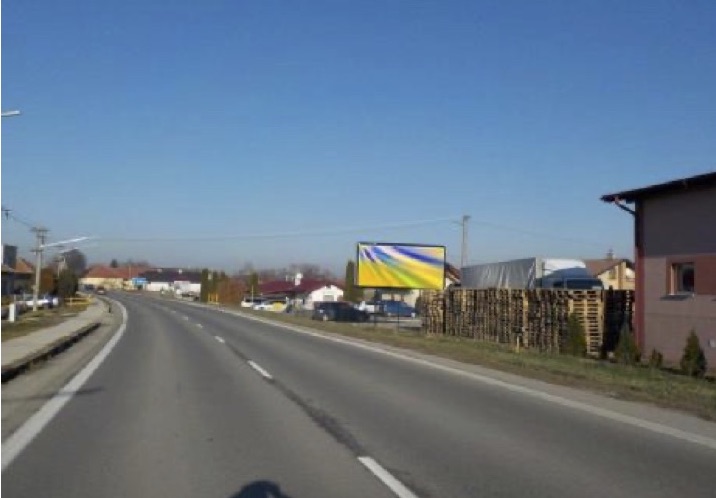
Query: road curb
x=48 y=351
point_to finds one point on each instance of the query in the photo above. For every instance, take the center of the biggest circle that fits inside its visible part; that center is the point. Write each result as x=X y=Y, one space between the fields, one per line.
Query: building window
x=683 y=277
x=612 y=274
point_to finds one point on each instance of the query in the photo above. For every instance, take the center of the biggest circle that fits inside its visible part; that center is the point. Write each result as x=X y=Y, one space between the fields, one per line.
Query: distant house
x=172 y=280
x=24 y=275
x=302 y=292
x=17 y=273
x=675 y=238
x=8 y=280
x=615 y=273
x=105 y=276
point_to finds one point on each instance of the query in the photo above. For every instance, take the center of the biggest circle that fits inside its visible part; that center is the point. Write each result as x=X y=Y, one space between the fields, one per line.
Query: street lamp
x=41 y=246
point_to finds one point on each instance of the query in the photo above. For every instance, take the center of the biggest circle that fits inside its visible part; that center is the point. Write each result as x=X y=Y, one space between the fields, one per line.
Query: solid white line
x=260 y=370
x=16 y=443
x=220 y=339
x=387 y=478
x=534 y=393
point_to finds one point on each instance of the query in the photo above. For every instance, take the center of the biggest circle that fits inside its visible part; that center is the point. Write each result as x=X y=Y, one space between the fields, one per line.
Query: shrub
x=656 y=360
x=693 y=361
x=575 y=343
x=627 y=352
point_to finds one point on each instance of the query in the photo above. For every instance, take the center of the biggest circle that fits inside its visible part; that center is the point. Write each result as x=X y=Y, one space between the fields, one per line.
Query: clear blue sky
x=204 y=120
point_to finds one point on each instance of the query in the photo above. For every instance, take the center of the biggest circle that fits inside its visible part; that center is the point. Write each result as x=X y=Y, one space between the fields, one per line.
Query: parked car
x=101 y=290
x=399 y=309
x=370 y=306
x=249 y=302
x=338 y=311
x=270 y=305
x=43 y=301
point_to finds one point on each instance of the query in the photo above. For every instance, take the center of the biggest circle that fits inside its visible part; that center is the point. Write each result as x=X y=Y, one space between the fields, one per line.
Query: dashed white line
x=260 y=370
x=200 y=325
x=387 y=478
x=655 y=427
x=220 y=339
x=186 y=318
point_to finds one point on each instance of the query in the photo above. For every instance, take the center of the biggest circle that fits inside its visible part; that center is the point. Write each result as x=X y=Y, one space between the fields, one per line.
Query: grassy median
x=660 y=387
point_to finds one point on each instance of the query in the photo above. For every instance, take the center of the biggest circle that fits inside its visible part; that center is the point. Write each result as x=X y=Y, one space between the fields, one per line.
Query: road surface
x=192 y=402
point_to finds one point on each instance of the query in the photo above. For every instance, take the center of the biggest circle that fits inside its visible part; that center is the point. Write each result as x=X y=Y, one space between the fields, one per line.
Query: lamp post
x=41 y=246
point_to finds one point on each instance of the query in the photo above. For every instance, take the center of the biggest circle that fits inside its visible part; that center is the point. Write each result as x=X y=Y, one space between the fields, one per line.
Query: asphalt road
x=196 y=403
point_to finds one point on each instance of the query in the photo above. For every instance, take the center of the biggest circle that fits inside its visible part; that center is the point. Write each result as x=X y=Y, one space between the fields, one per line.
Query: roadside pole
x=41 y=233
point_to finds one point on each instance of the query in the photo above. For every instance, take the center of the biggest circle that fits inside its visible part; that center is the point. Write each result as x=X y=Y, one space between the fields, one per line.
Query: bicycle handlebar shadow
x=261 y=489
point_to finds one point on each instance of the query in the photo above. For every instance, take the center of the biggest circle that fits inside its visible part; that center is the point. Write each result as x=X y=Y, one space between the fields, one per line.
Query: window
x=612 y=274
x=683 y=274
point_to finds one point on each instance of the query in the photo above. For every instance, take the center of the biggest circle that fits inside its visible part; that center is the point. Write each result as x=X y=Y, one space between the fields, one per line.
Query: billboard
x=400 y=266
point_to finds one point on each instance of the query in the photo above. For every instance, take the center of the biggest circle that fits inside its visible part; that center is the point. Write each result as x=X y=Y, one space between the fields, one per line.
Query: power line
x=277 y=235
x=534 y=233
x=11 y=214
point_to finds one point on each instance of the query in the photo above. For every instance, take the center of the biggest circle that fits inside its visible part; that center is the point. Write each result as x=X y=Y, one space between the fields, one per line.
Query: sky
x=220 y=133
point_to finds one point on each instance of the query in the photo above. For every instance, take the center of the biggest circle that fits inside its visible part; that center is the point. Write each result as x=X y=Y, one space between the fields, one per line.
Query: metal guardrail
x=78 y=301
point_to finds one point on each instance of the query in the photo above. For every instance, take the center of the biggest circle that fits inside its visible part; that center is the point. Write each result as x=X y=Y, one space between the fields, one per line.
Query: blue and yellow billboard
x=400 y=266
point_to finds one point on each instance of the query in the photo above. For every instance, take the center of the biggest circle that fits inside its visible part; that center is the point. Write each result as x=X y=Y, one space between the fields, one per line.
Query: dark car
x=338 y=311
x=398 y=308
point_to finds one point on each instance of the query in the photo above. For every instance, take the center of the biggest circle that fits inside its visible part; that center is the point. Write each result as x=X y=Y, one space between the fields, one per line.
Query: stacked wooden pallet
x=539 y=316
x=588 y=307
x=547 y=313
x=432 y=311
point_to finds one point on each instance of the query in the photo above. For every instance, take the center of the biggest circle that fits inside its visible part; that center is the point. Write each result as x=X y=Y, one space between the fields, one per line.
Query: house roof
x=131 y=271
x=306 y=286
x=22 y=266
x=101 y=271
x=172 y=275
x=698 y=181
x=452 y=273
x=598 y=266
x=7 y=269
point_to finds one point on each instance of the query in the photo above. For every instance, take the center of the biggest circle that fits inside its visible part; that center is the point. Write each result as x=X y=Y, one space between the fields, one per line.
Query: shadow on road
x=261 y=489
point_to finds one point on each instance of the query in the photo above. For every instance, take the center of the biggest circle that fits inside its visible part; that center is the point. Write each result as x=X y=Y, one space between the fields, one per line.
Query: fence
x=537 y=316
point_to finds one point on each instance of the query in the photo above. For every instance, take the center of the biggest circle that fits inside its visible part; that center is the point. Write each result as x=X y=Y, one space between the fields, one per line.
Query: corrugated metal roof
x=698 y=181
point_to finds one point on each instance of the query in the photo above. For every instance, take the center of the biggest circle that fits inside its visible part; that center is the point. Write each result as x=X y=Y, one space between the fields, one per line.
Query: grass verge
x=32 y=321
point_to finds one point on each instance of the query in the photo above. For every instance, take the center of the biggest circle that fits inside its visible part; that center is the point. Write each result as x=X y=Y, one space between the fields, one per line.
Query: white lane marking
x=260 y=370
x=387 y=478
x=200 y=325
x=656 y=427
x=16 y=443
x=186 y=318
x=220 y=339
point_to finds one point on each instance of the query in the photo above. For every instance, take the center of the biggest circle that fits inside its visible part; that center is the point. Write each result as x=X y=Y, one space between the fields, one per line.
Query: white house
x=303 y=293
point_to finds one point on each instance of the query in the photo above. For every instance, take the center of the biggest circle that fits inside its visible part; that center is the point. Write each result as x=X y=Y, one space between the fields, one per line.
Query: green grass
x=660 y=387
x=32 y=321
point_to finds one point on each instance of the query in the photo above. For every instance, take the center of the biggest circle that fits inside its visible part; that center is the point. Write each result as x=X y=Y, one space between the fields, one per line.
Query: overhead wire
x=9 y=213
x=276 y=235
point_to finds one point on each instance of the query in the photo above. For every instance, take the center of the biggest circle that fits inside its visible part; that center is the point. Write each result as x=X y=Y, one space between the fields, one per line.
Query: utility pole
x=40 y=233
x=463 y=255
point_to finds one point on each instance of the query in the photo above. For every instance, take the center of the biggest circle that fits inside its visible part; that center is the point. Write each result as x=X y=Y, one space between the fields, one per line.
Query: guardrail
x=78 y=301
